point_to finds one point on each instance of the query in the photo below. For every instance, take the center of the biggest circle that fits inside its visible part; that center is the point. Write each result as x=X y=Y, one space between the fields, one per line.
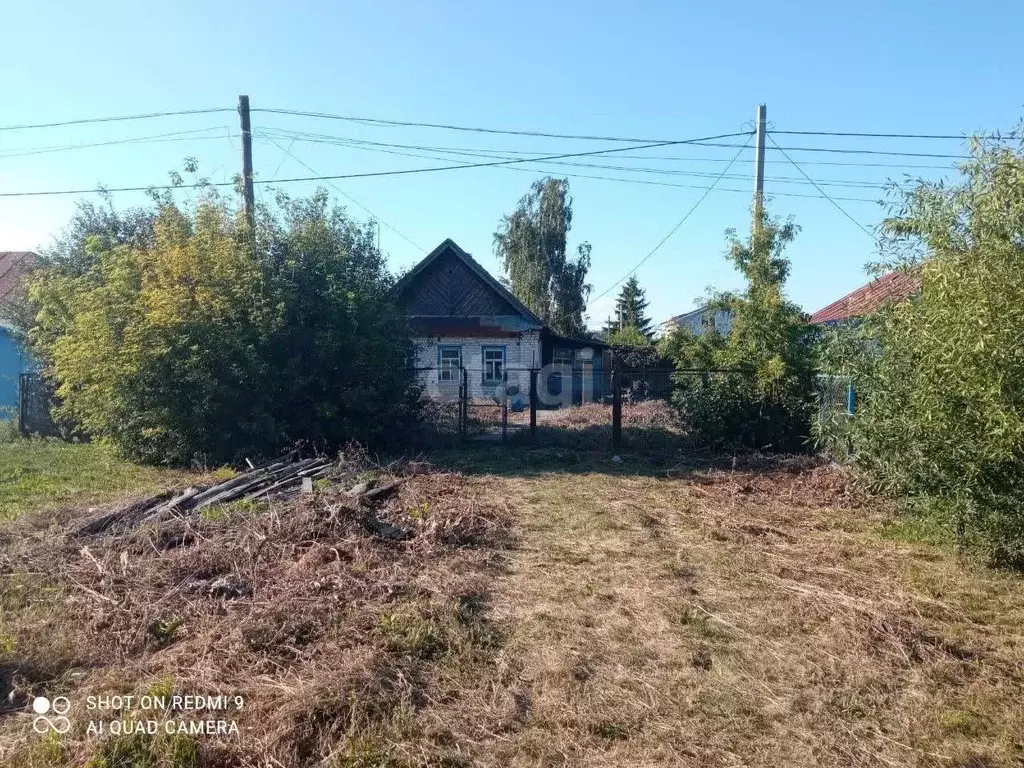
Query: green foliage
x=940 y=378
x=190 y=341
x=764 y=402
x=630 y=311
x=38 y=473
x=140 y=750
x=531 y=245
x=630 y=336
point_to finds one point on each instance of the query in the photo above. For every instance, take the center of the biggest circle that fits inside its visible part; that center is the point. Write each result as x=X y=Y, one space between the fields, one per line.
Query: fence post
x=463 y=404
x=504 y=404
x=22 y=403
x=616 y=412
x=533 y=403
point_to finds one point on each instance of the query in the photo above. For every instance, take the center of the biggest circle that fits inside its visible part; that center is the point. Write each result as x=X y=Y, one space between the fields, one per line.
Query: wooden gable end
x=448 y=287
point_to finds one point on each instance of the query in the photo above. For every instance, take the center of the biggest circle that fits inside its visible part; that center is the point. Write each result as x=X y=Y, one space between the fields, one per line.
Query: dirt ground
x=553 y=608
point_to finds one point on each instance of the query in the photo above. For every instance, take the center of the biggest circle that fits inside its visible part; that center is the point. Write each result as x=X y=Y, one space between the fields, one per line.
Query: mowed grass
x=764 y=615
x=700 y=612
x=37 y=474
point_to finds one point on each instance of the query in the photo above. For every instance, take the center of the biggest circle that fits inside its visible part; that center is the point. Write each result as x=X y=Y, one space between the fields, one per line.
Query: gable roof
x=869 y=298
x=450 y=246
x=14 y=265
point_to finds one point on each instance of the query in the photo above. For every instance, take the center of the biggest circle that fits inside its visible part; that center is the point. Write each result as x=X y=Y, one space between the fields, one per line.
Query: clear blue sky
x=651 y=69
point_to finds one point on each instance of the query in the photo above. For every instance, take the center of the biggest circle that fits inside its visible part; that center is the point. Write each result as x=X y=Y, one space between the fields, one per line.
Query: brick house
x=464 y=319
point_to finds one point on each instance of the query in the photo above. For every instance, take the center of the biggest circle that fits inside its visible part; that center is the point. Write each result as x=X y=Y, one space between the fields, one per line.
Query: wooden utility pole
x=761 y=127
x=247 y=192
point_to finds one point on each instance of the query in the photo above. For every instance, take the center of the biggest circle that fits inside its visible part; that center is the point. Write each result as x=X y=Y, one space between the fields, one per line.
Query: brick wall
x=521 y=354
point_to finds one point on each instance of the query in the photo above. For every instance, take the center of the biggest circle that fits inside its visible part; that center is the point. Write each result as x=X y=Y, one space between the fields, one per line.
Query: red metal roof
x=13 y=266
x=867 y=299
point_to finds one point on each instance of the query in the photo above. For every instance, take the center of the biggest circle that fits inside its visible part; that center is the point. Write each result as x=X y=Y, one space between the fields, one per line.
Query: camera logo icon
x=43 y=707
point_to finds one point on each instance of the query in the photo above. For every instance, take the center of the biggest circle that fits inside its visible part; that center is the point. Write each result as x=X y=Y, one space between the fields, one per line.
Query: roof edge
x=450 y=245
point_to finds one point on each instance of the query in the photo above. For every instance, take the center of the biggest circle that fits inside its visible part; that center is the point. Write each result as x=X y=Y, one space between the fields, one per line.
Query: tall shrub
x=764 y=401
x=940 y=378
x=195 y=343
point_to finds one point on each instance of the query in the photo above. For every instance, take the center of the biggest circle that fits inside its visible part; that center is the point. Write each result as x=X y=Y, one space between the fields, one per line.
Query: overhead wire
x=958 y=137
x=665 y=239
x=362 y=144
x=155 y=138
x=117 y=118
x=824 y=194
x=450 y=127
x=373 y=174
x=349 y=197
x=648 y=182
x=332 y=139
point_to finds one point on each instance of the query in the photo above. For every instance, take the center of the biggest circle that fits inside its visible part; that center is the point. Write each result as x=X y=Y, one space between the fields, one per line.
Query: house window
x=562 y=356
x=449 y=361
x=494 y=363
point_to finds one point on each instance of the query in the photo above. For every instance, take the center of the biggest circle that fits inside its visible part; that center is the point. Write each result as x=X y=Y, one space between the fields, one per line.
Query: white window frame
x=495 y=366
x=446 y=372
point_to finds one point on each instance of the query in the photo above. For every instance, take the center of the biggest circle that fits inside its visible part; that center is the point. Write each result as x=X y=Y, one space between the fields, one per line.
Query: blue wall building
x=14 y=360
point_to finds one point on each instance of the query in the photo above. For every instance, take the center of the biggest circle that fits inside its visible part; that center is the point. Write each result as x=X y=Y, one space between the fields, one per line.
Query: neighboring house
x=701 y=320
x=868 y=299
x=462 y=318
x=14 y=361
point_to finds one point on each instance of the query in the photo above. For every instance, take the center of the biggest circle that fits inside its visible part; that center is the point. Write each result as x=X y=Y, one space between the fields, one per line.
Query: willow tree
x=940 y=378
x=531 y=244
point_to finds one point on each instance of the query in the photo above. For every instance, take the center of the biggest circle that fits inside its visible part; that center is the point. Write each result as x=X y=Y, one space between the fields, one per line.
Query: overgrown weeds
x=335 y=638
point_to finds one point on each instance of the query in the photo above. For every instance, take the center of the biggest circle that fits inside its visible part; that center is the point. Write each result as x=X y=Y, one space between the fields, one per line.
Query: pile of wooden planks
x=278 y=480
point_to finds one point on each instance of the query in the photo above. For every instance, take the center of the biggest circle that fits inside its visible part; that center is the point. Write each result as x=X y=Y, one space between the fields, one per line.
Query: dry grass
x=651 y=426
x=747 y=618
x=333 y=636
x=747 y=615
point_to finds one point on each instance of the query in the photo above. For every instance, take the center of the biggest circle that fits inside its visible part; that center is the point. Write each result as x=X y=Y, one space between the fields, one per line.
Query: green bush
x=940 y=378
x=196 y=338
x=763 y=400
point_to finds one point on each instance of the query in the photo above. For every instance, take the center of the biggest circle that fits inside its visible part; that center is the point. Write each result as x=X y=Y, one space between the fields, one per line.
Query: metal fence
x=35 y=399
x=575 y=405
x=837 y=398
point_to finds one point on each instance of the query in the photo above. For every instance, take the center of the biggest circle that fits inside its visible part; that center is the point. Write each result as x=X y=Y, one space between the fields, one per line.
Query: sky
x=659 y=70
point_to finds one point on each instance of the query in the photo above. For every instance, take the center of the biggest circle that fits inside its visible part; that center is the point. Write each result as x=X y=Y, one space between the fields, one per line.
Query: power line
x=118 y=118
x=319 y=138
x=155 y=138
x=347 y=196
x=443 y=126
x=957 y=137
x=671 y=232
x=628 y=181
x=869 y=152
x=823 y=192
x=370 y=174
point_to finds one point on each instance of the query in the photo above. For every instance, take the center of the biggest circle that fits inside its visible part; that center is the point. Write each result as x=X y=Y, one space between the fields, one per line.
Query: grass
x=760 y=615
x=756 y=612
x=39 y=473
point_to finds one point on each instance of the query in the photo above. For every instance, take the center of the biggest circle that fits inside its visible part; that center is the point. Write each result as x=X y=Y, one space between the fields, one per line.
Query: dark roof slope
x=14 y=265
x=869 y=298
x=449 y=246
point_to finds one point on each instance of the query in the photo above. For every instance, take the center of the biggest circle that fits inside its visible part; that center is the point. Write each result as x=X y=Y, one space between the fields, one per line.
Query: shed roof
x=869 y=298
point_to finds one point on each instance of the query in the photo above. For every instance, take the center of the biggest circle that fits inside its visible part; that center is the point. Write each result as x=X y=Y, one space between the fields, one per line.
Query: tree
x=531 y=244
x=940 y=378
x=630 y=310
x=765 y=401
x=629 y=336
x=93 y=228
x=188 y=342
